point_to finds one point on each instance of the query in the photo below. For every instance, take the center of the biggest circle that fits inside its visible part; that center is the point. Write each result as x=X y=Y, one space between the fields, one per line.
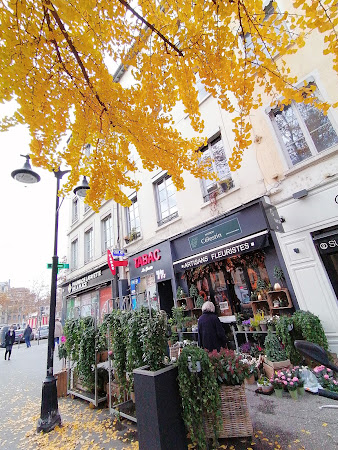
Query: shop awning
x=234 y=248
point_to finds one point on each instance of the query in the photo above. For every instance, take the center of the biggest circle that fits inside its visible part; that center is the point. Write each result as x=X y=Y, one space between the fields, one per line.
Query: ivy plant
x=199 y=393
x=273 y=348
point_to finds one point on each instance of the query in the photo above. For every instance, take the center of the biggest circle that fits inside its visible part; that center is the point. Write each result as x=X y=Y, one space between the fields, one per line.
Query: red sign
x=147 y=258
x=112 y=263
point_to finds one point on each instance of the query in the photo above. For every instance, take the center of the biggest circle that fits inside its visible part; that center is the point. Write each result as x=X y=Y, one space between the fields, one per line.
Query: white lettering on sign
x=230 y=251
x=83 y=282
x=160 y=274
x=211 y=238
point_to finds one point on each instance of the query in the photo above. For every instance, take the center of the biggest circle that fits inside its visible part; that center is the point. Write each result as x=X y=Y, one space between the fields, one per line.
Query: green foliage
x=263 y=381
x=229 y=368
x=155 y=340
x=72 y=331
x=278 y=274
x=179 y=293
x=239 y=318
x=273 y=348
x=178 y=315
x=261 y=285
x=87 y=352
x=62 y=351
x=193 y=291
x=199 y=302
x=199 y=393
x=301 y=325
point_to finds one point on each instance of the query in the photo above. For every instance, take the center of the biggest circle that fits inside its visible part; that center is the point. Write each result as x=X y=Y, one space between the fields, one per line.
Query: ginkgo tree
x=54 y=58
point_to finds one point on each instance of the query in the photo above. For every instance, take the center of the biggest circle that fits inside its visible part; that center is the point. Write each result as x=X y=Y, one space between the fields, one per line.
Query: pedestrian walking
x=9 y=341
x=27 y=335
x=58 y=331
x=211 y=334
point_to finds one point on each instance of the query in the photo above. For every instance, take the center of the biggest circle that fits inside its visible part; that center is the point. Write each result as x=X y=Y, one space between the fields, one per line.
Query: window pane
x=220 y=160
x=319 y=126
x=292 y=135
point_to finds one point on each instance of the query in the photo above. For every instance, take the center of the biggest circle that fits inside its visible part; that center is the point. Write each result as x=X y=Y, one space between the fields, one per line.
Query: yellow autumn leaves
x=53 y=63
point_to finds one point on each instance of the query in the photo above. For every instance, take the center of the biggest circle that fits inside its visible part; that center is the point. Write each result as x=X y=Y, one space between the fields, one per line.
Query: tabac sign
x=155 y=260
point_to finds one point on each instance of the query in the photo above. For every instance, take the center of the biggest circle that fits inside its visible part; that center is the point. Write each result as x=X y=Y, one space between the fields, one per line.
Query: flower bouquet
x=278 y=385
x=325 y=378
x=290 y=382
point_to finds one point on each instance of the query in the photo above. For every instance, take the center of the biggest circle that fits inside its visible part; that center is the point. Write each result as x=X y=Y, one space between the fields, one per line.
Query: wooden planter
x=270 y=367
x=236 y=420
x=61 y=383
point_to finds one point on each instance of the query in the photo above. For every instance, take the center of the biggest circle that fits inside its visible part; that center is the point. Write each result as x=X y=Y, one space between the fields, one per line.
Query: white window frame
x=172 y=215
x=130 y=217
x=74 y=254
x=107 y=241
x=219 y=188
x=88 y=245
x=75 y=210
x=304 y=129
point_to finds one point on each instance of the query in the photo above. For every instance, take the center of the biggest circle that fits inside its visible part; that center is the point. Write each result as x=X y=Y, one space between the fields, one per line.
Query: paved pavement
x=278 y=423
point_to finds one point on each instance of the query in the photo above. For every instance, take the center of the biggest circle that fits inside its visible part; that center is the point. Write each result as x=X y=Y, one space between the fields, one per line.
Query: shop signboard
x=227 y=229
x=248 y=244
x=155 y=261
x=327 y=244
x=89 y=280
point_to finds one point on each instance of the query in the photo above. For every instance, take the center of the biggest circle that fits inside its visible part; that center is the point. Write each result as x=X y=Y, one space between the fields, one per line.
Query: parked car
x=41 y=332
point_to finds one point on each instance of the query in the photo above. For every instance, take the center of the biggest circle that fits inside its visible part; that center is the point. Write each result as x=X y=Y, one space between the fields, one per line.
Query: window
x=166 y=200
x=214 y=155
x=74 y=254
x=133 y=220
x=88 y=245
x=202 y=93
x=107 y=233
x=304 y=131
x=75 y=210
x=86 y=207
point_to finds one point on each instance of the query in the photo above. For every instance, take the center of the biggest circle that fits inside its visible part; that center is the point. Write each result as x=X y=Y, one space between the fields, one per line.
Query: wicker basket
x=236 y=420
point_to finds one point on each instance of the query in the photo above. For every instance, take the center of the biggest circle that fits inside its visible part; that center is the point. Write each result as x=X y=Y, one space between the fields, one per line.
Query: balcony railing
x=167 y=219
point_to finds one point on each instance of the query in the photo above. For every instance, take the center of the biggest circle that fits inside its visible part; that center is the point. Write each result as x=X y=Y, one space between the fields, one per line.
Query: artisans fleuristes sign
x=214 y=234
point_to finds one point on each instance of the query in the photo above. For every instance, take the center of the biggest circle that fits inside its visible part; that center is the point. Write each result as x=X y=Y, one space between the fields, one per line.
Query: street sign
x=60 y=266
x=118 y=252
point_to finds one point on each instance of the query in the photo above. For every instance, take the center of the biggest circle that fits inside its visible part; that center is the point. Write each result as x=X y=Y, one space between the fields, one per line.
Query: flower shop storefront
x=228 y=260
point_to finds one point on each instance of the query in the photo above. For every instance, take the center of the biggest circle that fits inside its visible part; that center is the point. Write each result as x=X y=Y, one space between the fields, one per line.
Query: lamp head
x=26 y=174
x=82 y=189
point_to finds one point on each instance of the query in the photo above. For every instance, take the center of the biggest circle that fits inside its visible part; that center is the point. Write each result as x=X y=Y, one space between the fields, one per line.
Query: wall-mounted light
x=300 y=194
x=296 y=250
x=282 y=219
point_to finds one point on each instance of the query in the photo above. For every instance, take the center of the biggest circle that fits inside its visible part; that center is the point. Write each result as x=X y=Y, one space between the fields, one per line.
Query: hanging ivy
x=199 y=392
x=86 y=361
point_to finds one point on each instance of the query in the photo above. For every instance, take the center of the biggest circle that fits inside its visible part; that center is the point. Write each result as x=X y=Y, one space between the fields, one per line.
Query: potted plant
x=279 y=275
x=290 y=381
x=264 y=384
x=180 y=293
x=270 y=322
x=297 y=371
x=239 y=320
x=230 y=371
x=178 y=316
x=275 y=355
x=278 y=385
x=254 y=323
x=263 y=324
x=276 y=302
x=246 y=324
x=199 y=302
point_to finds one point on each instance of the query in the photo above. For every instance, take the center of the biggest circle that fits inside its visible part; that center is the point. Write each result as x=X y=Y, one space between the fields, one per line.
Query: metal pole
x=50 y=416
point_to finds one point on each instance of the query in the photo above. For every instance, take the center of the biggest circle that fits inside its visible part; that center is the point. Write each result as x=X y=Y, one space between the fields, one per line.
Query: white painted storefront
x=317 y=211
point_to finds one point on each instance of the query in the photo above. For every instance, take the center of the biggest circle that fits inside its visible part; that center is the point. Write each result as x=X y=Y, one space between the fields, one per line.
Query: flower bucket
x=246 y=328
x=239 y=327
x=300 y=391
x=294 y=394
x=263 y=326
x=279 y=393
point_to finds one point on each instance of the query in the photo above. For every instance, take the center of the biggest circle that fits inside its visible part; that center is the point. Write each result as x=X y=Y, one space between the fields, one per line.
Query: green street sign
x=60 y=266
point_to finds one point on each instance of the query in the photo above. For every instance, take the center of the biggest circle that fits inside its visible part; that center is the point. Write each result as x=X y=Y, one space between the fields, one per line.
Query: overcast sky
x=27 y=216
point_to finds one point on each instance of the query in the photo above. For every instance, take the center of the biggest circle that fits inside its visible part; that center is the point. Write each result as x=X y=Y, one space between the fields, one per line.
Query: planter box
x=158 y=409
x=236 y=421
x=61 y=383
x=270 y=367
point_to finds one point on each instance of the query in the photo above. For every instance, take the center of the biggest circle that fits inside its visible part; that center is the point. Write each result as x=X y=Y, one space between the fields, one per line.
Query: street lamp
x=50 y=416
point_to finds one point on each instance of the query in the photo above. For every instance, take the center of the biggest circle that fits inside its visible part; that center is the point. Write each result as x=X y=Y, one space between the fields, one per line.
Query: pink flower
x=289 y=379
x=295 y=379
x=283 y=377
x=326 y=377
x=291 y=383
x=63 y=339
x=328 y=369
x=285 y=382
x=110 y=353
x=334 y=382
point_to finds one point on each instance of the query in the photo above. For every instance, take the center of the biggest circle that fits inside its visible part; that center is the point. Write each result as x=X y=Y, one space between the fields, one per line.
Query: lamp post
x=50 y=416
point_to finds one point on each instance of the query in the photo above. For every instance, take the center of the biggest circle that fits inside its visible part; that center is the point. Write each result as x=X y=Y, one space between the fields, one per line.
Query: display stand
x=85 y=395
x=246 y=333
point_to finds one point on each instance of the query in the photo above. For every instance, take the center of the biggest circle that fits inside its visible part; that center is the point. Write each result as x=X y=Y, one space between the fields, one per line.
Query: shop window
x=107 y=233
x=166 y=200
x=133 y=221
x=75 y=210
x=88 y=244
x=303 y=130
x=74 y=254
x=214 y=156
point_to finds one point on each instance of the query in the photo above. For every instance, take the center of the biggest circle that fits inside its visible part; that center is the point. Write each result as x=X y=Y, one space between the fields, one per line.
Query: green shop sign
x=215 y=234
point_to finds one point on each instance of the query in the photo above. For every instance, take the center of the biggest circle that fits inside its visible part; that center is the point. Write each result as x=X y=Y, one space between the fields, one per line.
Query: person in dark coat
x=27 y=335
x=9 y=341
x=211 y=334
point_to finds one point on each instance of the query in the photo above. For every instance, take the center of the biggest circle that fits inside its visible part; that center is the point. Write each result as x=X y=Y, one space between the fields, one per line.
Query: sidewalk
x=278 y=423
